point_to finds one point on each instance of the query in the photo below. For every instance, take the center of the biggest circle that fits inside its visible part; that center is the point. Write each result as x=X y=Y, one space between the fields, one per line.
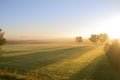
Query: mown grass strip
x=65 y=69
x=26 y=62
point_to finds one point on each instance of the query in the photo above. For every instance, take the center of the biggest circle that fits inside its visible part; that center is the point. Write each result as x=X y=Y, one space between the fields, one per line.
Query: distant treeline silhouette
x=94 y=38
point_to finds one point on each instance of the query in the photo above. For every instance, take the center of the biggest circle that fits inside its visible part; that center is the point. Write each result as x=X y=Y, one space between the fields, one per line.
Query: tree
x=98 y=38
x=79 y=39
x=103 y=37
x=94 y=38
x=2 y=41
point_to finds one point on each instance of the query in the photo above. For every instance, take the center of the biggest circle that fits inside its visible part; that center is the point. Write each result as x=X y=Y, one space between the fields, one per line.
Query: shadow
x=16 y=51
x=105 y=71
x=27 y=50
x=98 y=69
x=27 y=62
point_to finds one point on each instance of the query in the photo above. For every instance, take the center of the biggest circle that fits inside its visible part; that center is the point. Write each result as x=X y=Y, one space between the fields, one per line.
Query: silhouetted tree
x=98 y=38
x=94 y=38
x=103 y=37
x=79 y=39
x=2 y=41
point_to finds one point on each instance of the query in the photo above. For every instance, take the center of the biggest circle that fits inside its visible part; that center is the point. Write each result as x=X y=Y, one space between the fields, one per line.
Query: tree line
x=94 y=38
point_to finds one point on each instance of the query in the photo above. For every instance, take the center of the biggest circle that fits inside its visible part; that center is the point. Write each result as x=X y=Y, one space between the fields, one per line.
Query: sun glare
x=111 y=26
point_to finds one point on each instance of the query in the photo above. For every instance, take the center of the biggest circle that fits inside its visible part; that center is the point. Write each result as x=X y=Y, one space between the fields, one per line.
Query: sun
x=109 y=25
x=112 y=27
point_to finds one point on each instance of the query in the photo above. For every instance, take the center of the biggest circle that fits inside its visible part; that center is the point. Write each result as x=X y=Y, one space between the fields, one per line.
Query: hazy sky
x=45 y=19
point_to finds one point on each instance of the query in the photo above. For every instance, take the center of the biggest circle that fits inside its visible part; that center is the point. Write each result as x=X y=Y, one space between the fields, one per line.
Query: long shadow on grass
x=27 y=50
x=99 y=69
x=24 y=63
x=16 y=51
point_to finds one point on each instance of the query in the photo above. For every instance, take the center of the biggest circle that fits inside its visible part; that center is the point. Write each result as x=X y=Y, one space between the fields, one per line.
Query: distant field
x=58 y=62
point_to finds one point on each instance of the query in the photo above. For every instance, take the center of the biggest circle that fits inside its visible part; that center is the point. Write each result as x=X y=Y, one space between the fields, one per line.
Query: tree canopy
x=98 y=38
x=79 y=39
x=2 y=39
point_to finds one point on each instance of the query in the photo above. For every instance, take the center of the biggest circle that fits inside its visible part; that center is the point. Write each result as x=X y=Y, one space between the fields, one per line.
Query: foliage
x=79 y=39
x=2 y=41
x=103 y=37
x=98 y=38
x=94 y=38
x=113 y=53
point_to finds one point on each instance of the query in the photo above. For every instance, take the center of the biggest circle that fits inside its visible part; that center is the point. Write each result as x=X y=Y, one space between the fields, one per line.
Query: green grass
x=58 y=62
x=36 y=59
x=5 y=75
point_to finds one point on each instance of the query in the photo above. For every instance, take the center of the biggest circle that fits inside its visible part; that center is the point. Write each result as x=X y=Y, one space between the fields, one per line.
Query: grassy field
x=58 y=62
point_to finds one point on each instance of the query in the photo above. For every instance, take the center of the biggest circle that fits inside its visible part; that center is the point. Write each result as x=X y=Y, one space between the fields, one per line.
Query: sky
x=51 y=19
